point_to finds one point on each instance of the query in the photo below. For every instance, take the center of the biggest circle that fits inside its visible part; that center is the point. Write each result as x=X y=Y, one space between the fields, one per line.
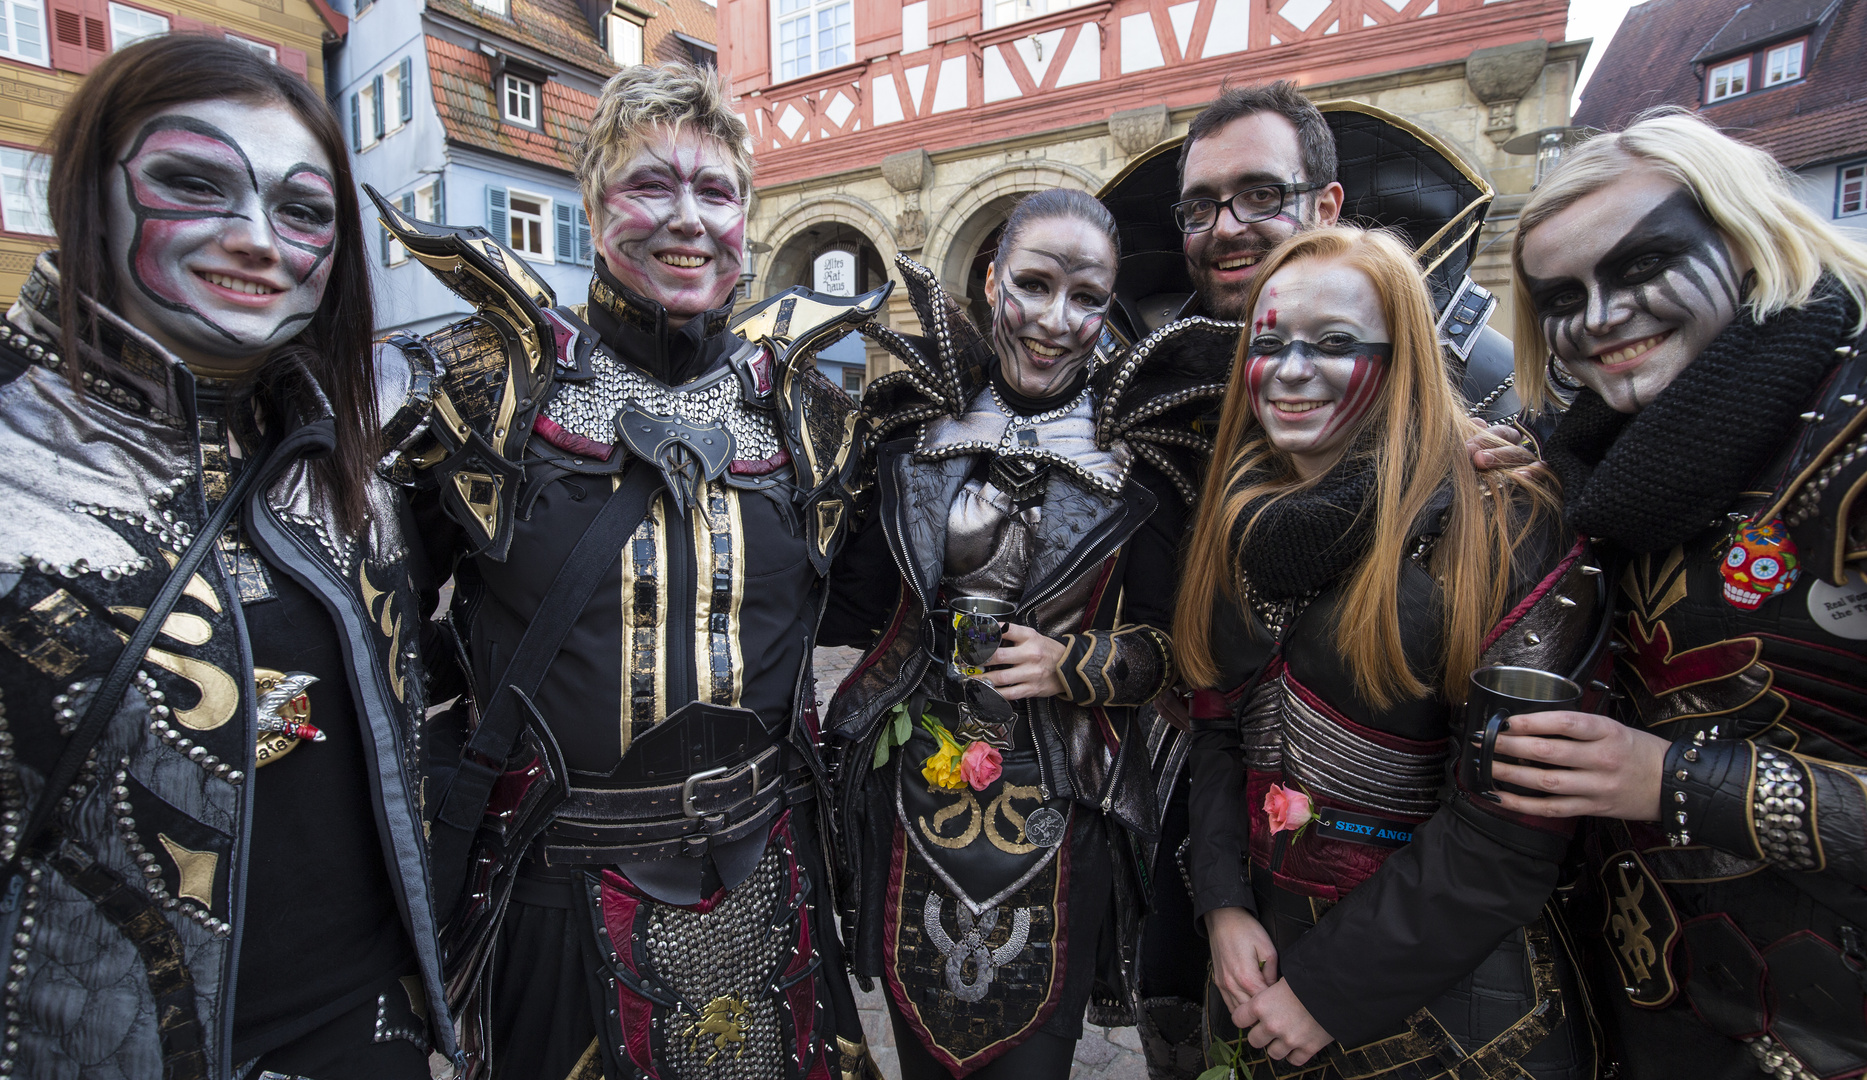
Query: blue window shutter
x=496 y=220
x=567 y=232
x=377 y=109
x=406 y=83
x=440 y=202
x=387 y=241
x=586 y=251
x=356 y=124
x=408 y=204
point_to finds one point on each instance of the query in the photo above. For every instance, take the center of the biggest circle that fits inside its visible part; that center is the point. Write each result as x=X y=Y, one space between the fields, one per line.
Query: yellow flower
x=942 y=766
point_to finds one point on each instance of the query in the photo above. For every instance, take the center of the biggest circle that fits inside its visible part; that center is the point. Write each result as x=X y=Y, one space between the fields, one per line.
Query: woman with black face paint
x=989 y=815
x=1347 y=573
x=1715 y=446
x=212 y=841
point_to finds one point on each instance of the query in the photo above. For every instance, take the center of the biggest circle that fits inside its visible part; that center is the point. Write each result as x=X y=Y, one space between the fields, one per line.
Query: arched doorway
x=841 y=260
x=974 y=245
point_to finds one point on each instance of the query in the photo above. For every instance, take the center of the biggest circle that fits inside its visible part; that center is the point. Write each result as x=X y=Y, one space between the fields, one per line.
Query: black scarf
x=1304 y=541
x=1652 y=481
x=636 y=329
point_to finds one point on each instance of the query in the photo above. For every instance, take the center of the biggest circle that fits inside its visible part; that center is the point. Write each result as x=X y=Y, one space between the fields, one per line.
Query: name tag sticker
x=1841 y=609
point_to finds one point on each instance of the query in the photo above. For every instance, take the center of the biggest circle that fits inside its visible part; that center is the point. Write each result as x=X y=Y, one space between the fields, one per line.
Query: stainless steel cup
x=978 y=628
x=1498 y=693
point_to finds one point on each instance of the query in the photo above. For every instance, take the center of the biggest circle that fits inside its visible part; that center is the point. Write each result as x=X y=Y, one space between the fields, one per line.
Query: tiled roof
x=463 y=95
x=1821 y=117
x=557 y=28
x=1764 y=20
x=695 y=18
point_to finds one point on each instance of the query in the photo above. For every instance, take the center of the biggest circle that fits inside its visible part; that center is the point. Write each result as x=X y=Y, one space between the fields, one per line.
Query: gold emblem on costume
x=983 y=819
x=724 y=1020
x=284 y=713
x=1630 y=925
x=194 y=872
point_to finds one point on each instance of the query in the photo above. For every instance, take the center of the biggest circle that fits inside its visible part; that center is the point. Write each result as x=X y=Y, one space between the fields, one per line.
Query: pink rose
x=1287 y=809
x=981 y=764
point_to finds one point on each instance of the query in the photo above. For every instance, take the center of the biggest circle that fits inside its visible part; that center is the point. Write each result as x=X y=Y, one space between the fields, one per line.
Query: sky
x=1596 y=19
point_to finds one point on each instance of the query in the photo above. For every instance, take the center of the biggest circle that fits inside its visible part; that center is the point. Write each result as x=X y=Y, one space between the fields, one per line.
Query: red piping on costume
x=766 y=465
x=553 y=432
x=1542 y=589
x=634 y=1013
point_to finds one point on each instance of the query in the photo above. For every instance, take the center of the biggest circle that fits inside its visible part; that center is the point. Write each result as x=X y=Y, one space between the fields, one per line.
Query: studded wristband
x=1705 y=793
x=1780 y=811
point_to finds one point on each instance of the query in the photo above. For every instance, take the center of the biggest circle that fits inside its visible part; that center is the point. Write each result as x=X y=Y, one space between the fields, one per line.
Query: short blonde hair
x=671 y=95
x=1742 y=189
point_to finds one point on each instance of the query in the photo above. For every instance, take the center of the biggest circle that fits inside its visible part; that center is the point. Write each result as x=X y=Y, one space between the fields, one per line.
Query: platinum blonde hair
x=672 y=95
x=1742 y=189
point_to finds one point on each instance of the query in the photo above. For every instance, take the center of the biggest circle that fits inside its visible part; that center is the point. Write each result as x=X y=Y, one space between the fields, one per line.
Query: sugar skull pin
x=1760 y=563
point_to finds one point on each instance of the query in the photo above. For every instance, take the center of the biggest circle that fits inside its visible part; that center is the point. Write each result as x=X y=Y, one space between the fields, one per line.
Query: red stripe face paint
x=672 y=223
x=222 y=219
x=1316 y=365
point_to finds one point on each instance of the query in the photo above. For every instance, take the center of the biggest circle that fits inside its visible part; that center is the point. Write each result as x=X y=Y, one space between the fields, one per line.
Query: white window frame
x=391 y=99
x=628 y=39
x=523 y=91
x=1779 y=59
x=270 y=52
x=140 y=25
x=786 y=14
x=544 y=220
x=1736 y=76
x=497 y=7
x=1857 y=171
x=427 y=202
x=24 y=175
x=18 y=14
x=1006 y=12
x=366 y=101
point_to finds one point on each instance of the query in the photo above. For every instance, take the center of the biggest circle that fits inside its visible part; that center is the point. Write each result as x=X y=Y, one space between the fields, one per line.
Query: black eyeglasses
x=1252 y=204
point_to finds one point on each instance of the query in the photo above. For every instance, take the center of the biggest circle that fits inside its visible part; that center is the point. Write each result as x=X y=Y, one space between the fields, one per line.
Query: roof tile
x=557 y=28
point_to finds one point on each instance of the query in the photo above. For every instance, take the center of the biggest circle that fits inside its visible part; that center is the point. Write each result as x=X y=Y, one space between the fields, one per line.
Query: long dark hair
x=118 y=97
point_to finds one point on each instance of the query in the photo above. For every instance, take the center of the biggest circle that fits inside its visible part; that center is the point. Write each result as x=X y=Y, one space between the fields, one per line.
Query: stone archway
x=984 y=204
x=789 y=236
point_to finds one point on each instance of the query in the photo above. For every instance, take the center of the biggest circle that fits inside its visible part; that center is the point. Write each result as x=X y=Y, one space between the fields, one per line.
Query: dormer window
x=497 y=7
x=1727 y=80
x=519 y=99
x=1783 y=63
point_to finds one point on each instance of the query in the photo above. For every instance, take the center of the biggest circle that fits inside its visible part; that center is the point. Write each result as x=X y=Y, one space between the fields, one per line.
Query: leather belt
x=720 y=805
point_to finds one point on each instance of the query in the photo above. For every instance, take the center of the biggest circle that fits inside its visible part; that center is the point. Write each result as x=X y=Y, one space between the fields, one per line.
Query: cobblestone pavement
x=1102 y=1054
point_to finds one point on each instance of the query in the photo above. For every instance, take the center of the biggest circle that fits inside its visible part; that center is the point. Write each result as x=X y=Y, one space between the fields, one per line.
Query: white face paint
x=1049 y=302
x=1631 y=282
x=221 y=226
x=1318 y=359
x=672 y=224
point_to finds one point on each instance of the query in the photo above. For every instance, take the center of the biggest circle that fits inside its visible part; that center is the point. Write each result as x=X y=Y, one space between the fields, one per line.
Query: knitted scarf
x=1305 y=540
x=1653 y=480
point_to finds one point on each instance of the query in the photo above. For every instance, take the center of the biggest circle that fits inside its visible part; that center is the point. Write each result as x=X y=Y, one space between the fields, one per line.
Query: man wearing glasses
x=1257 y=167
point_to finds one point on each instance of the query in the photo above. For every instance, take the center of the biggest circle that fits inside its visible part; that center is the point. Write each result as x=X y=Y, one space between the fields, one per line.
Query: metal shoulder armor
x=1820 y=499
x=492 y=368
x=822 y=426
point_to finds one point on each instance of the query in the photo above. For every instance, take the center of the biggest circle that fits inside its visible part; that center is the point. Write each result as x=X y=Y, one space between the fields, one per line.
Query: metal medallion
x=1044 y=827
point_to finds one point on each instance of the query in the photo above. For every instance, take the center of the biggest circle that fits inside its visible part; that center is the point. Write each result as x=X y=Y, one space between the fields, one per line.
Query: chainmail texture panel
x=589 y=408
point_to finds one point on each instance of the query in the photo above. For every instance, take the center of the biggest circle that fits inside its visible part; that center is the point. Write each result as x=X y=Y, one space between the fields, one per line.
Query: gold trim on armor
x=719 y=556
x=644 y=600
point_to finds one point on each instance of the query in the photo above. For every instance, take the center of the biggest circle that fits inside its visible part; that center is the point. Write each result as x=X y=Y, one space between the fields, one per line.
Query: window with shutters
x=625 y=39
x=391 y=98
x=129 y=25
x=366 y=115
x=528 y=224
x=393 y=251
x=405 y=81
x=260 y=48
x=520 y=101
x=812 y=35
x=23 y=176
x=573 y=234
x=1851 y=189
x=429 y=206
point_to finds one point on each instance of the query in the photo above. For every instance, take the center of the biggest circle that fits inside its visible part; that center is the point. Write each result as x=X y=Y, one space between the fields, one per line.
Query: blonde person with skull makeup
x=215 y=862
x=988 y=816
x=1347 y=571
x=1715 y=447
x=639 y=506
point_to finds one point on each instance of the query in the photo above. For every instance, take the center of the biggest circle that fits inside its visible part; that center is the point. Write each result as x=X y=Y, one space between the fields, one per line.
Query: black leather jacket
x=125 y=939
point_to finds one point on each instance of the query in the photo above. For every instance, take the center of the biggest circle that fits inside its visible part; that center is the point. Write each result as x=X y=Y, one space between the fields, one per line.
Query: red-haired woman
x=1347 y=573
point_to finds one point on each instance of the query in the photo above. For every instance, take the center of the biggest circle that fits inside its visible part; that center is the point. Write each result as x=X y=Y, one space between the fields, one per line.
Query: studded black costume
x=982 y=906
x=645 y=886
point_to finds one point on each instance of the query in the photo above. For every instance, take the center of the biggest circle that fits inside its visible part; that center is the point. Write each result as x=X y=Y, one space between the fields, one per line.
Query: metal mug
x=978 y=628
x=1498 y=693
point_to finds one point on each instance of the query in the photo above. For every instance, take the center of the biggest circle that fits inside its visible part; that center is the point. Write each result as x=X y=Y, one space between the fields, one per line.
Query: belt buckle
x=687 y=788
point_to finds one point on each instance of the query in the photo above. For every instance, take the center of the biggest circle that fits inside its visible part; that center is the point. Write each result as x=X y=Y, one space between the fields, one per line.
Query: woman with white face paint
x=213 y=841
x=992 y=814
x=1347 y=572
x=1713 y=323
